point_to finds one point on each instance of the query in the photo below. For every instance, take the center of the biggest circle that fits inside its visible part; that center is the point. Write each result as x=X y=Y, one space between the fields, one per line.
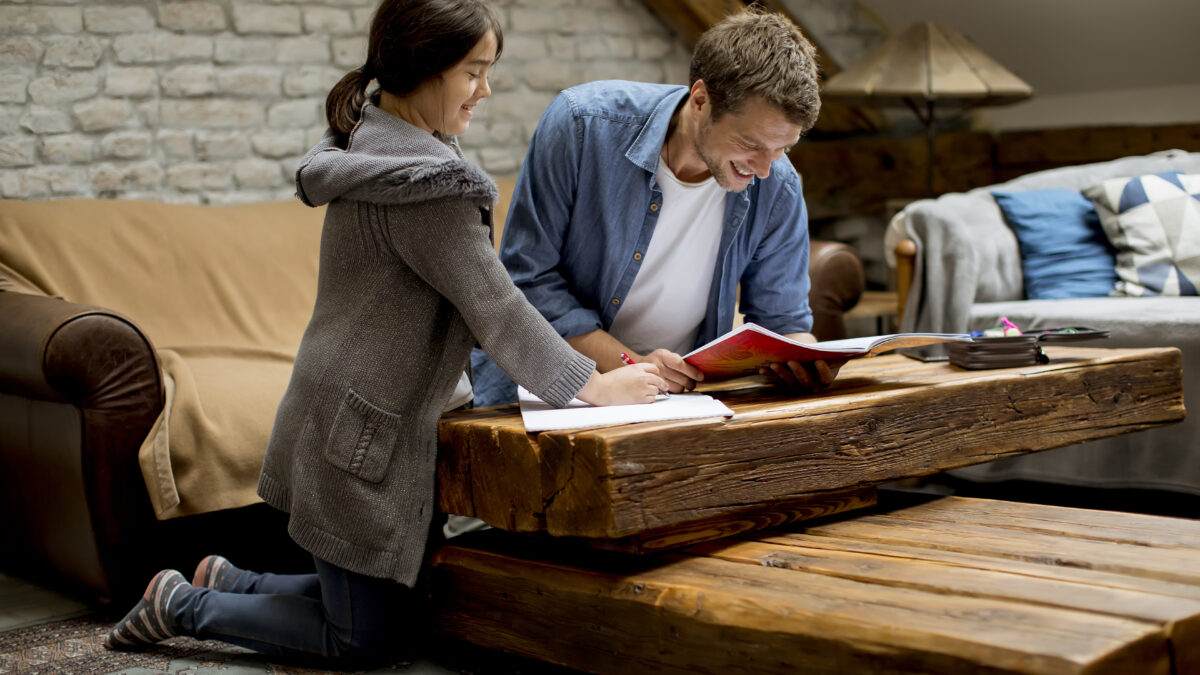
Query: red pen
x=629 y=362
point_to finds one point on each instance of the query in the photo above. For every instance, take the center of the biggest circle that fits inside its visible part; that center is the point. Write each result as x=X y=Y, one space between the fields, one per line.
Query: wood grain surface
x=949 y=585
x=884 y=419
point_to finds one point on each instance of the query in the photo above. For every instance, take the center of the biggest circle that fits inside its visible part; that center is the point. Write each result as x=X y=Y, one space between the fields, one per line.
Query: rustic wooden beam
x=857 y=175
x=748 y=519
x=949 y=585
x=690 y=18
x=1022 y=152
x=884 y=419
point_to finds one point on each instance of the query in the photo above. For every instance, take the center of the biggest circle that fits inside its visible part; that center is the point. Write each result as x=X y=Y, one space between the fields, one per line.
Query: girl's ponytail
x=345 y=101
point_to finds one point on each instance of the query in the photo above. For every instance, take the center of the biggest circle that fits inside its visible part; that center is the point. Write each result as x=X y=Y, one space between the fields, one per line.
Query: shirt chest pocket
x=362 y=439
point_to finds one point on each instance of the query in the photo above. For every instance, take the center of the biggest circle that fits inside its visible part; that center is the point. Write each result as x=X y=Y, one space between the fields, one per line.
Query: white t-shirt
x=669 y=296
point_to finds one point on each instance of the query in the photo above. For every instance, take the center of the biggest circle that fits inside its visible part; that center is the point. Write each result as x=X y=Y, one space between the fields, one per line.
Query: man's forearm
x=602 y=348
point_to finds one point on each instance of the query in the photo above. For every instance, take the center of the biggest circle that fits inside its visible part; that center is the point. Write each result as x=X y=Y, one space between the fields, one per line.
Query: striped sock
x=214 y=572
x=150 y=620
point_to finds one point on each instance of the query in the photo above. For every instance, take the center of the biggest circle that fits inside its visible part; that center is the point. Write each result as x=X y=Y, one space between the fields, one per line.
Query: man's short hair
x=758 y=53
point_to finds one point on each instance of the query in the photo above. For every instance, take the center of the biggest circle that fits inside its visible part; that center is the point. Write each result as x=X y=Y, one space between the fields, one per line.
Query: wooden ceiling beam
x=690 y=18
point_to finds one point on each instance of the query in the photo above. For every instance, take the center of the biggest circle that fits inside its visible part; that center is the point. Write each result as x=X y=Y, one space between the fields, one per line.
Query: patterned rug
x=76 y=647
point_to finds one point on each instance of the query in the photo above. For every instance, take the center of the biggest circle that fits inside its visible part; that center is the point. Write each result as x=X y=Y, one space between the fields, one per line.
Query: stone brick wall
x=215 y=101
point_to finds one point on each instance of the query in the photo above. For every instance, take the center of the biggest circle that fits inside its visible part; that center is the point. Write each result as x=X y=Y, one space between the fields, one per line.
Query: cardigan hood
x=388 y=161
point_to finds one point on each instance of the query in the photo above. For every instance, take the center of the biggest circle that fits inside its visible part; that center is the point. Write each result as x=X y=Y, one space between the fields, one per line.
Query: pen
x=629 y=362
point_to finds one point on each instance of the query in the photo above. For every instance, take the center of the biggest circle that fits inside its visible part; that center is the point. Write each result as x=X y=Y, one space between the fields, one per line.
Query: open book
x=745 y=348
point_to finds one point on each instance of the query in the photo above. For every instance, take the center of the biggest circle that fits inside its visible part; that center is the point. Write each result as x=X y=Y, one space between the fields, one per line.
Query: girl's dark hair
x=411 y=41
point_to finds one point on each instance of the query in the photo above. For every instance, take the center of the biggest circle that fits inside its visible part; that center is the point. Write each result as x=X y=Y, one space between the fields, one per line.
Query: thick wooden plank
x=1179 y=617
x=977 y=559
x=701 y=614
x=835 y=171
x=755 y=517
x=1103 y=526
x=884 y=419
x=1166 y=564
x=1020 y=152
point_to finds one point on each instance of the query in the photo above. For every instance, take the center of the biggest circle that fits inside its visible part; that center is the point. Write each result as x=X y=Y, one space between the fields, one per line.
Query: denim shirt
x=585 y=206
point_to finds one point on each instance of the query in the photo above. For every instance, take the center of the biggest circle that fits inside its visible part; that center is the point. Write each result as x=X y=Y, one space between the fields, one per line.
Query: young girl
x=408 y=282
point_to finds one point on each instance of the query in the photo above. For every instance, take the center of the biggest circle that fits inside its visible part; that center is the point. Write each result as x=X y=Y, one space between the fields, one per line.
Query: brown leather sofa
x=108 y=309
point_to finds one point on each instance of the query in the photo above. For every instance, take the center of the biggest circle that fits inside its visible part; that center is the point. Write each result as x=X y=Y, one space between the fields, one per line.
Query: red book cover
x=744 y=349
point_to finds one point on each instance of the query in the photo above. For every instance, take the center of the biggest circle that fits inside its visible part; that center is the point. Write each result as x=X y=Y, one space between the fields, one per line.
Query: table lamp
x=925 y=66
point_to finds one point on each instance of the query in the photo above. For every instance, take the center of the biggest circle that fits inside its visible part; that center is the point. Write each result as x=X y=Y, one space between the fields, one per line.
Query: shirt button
x=616 y=301
x=637 y=256
x=654 y=207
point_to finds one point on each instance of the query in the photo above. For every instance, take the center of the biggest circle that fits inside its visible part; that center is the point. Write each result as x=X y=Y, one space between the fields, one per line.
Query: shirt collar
x=645 y=149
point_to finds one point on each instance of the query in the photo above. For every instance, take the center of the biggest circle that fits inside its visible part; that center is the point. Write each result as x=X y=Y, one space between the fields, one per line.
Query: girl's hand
x=636 y=383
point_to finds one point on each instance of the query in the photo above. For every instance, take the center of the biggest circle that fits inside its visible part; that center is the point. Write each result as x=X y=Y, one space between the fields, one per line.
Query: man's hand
x=606 y=351
x=679 y=374
x=810 y=376
x=807 y=376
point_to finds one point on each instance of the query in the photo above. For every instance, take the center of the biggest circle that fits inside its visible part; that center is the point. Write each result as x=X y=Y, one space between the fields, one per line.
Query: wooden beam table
x=652 y=486
x=915 y=585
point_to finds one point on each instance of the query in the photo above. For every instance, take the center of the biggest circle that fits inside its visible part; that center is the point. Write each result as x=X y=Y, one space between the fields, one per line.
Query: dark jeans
x=334 y=618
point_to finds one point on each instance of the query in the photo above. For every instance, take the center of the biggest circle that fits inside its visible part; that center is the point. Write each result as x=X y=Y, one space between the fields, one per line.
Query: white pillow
x=1153 y=221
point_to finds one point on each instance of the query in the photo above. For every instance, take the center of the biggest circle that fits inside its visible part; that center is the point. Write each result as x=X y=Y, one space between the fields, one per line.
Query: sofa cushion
x=1064 y=253
x=1154 y=223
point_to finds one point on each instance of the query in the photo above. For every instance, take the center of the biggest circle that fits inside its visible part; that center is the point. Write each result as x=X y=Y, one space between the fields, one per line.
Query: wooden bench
x=947 y=585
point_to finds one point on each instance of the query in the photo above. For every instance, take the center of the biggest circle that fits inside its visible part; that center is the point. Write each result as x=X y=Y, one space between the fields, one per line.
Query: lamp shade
x=927 y=63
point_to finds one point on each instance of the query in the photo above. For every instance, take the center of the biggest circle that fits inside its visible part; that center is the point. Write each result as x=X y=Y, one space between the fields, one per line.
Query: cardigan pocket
x=362 y=439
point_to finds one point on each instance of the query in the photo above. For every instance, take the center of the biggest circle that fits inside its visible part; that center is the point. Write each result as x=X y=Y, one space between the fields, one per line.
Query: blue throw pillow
x=1064 y=252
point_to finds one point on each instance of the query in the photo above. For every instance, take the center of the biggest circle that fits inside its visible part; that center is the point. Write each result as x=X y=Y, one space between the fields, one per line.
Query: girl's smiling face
x=446 y=103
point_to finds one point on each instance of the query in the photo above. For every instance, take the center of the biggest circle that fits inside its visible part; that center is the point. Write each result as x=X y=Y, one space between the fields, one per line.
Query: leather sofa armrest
x=55 y=350
x=838 y=282
x=53 y=355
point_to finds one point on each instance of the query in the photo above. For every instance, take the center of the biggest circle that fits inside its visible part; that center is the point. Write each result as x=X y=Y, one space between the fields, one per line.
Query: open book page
x=749 y=346
x=541 y=416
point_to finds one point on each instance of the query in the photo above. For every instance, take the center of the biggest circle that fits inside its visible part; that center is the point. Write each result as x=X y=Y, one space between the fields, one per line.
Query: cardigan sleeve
x=448 y=244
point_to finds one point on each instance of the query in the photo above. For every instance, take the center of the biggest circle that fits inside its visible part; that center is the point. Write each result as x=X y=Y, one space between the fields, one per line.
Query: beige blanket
x=205 y=450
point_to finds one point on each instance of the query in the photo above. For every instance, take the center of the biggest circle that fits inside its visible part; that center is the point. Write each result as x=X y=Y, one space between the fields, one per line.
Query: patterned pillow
x=1154 y=223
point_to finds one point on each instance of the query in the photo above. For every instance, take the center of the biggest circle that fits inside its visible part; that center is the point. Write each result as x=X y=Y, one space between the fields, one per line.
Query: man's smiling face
x=741 y=145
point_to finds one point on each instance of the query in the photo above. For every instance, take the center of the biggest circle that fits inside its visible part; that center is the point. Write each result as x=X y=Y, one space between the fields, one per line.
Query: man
x=640 y=208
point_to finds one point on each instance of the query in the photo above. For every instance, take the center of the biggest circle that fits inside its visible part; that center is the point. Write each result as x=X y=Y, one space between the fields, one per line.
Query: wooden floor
x=944 y=585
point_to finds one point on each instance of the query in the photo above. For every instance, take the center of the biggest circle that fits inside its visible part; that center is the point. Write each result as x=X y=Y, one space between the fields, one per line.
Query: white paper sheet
x=541 y=416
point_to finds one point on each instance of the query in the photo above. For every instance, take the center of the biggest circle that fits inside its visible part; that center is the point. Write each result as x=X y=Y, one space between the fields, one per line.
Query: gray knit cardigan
x=408 y=283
